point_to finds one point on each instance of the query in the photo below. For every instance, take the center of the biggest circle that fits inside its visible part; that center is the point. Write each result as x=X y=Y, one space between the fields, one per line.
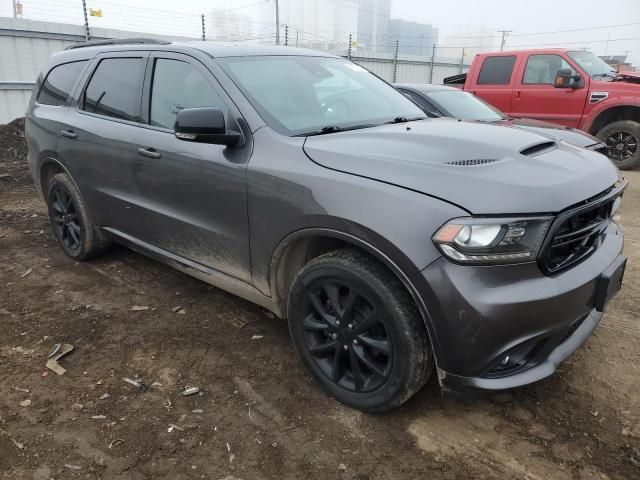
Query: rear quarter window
x=58 y=84
x=496 y=70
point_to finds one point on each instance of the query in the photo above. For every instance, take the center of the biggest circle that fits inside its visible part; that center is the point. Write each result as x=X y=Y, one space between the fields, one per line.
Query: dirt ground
x=259 y=415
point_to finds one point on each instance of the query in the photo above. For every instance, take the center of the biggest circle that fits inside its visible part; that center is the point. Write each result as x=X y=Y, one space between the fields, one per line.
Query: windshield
x=298 y=95
x=595 y=67
x=463 y=105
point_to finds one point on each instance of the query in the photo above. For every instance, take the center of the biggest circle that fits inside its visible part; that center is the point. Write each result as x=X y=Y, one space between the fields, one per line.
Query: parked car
x=393 y=244
x=570 y=87
x=443 y=101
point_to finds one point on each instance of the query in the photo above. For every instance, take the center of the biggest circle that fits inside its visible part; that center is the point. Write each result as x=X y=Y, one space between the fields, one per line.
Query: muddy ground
x=259 y=414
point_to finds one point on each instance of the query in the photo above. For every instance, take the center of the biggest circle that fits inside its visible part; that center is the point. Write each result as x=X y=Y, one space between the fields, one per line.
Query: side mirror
x=565 y=78
x=204 y=125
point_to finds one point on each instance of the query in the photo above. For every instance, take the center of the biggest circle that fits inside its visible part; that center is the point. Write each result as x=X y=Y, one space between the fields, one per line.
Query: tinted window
x=543 y=68
x=178 y=85
x=114 y=88
x=58 y=84
x=496 y=70
x=459 y=104
x=422 y=103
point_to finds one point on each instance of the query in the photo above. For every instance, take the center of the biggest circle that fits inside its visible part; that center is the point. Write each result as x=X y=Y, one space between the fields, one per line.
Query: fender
x=408 y=279
x=622 y=101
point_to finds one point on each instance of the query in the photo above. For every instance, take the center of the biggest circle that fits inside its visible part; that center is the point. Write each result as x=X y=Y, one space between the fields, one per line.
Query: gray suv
x=395 y=245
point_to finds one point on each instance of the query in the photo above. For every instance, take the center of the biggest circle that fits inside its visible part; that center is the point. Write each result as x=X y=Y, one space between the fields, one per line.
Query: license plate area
x=609 y=283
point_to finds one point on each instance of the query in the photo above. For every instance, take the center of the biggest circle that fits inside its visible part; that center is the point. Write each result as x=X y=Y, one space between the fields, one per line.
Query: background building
x=413 y=38
x=373 y=24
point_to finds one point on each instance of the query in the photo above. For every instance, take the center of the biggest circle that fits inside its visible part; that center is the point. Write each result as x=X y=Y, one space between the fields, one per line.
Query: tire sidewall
x=395 y=322
x=627 y=126
x=86 y=226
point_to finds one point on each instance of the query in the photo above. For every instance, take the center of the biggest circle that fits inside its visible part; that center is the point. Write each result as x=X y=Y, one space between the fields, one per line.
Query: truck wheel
x=71 y=221
x=622 y=140
x=358 y=331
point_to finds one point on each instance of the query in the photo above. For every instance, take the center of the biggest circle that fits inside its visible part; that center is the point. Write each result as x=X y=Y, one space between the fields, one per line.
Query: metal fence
x=25 y=46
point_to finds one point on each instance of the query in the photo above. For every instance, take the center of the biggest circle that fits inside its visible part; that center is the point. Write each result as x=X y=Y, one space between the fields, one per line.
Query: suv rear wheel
x=358 y=331
x=71 y=221
x=622 y=140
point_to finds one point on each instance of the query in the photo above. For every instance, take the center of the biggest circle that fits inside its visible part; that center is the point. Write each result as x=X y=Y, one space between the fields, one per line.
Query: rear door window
x=178 y=85
x=115 y=88
x=59 y=82
x=496 y=70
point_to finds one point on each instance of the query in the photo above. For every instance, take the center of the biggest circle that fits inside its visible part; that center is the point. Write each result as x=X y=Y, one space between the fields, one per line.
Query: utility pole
x=297 y=32
x=504 y=37
x=462 y=61
x=87 y=33
x=15 y=9
x=349 y=50
x=286 y=35
x=204 y=36
x=277 y=23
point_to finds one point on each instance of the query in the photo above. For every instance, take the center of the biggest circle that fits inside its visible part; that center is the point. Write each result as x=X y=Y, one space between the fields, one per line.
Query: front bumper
x=482 y=314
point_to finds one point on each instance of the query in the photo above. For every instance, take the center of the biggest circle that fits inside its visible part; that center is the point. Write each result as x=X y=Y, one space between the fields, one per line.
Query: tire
x=71 y=221
x=372 y=351
x=623 y=143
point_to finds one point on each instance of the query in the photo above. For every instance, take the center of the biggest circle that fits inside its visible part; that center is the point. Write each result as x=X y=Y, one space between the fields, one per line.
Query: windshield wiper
x=334 y=128
x=611 y=74
x=404 y=120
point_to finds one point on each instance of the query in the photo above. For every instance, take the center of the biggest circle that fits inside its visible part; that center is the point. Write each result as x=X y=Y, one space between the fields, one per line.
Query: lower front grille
x=576 y=235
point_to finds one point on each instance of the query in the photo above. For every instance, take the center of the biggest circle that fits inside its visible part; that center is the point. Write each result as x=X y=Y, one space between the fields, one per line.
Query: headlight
x=492 y=240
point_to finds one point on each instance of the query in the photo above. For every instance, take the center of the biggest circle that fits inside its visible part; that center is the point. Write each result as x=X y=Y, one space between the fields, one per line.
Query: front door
x=193 y=194
x=534 y=95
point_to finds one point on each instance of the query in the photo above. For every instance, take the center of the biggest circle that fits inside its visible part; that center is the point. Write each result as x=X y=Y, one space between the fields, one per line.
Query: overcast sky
x=534 y=17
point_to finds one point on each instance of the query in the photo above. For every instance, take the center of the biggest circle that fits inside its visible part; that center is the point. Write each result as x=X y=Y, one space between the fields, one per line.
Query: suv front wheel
x=358 y=331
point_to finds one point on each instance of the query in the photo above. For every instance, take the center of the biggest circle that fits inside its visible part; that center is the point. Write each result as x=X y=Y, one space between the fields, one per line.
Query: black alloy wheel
x=65 y=219
x=347 y=336
x=621 y=139
x=358 y=331
x=71 y=221
x=621 y=146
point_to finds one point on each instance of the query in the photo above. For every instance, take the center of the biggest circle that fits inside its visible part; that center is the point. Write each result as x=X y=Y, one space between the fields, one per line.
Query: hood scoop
x=538 y=149
x=475 y=162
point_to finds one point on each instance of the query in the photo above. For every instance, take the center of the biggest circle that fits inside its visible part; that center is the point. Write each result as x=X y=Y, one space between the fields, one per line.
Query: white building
x=474 y=39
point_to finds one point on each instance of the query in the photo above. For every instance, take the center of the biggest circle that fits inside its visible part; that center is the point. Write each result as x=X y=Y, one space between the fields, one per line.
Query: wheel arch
x=614 y=114
x=298 y=248
x=48 y=168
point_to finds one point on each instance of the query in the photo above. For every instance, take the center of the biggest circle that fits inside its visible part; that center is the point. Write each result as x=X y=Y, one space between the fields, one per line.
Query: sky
x=598 y=25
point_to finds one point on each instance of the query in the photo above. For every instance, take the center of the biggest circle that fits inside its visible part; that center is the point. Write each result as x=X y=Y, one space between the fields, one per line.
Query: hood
x=478 y=167
x=551 y=130
x=633 y=77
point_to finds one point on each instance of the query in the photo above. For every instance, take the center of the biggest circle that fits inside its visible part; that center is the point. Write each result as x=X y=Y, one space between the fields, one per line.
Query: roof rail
x=118 y=41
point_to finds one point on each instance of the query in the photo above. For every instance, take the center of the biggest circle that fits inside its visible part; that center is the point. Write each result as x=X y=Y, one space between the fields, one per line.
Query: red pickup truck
x=572 y=88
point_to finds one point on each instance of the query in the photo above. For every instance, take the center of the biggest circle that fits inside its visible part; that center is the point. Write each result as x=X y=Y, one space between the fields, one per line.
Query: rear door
x=97 y=138
x=534 y=95
x=495 y=79
x=193 y=194
x=47 y=108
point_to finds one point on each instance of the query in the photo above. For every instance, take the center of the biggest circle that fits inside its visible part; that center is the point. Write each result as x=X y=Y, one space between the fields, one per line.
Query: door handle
x=518 y=92
x=69 y=134
x=148 y=152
